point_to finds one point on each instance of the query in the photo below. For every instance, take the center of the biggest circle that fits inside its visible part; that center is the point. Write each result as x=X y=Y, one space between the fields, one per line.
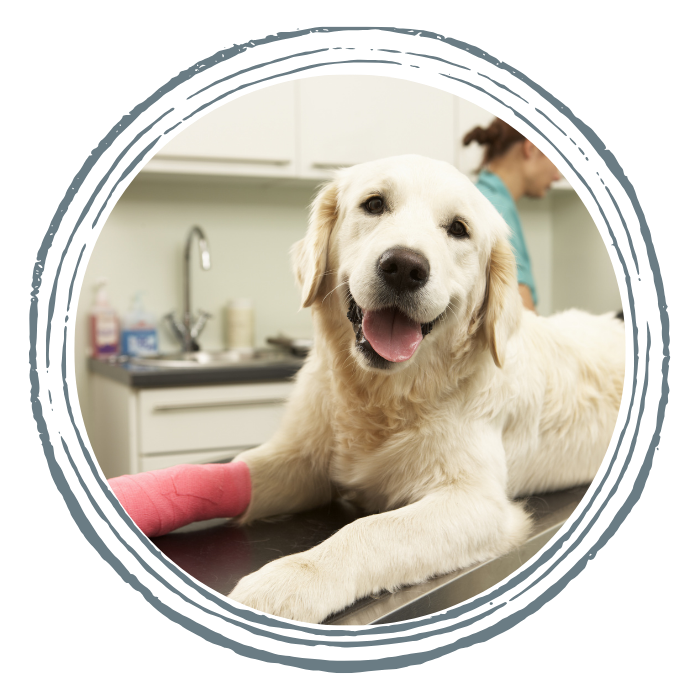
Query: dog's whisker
x=331 y=292
x=450 y=307
x=328 y=272
x=324 y=274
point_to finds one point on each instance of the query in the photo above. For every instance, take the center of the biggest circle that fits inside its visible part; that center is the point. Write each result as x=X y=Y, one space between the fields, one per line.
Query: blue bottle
x=139 y=334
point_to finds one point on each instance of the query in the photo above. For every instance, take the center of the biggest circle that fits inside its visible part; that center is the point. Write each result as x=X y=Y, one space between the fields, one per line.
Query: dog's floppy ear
x=503 y=304
x=310 y=254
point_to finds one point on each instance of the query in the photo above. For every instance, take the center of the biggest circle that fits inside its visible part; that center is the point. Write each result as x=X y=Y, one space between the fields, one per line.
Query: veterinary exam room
x=323 y=326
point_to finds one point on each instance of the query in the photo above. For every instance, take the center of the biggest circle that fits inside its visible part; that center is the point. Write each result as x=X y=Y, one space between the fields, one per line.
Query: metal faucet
x=188 y=330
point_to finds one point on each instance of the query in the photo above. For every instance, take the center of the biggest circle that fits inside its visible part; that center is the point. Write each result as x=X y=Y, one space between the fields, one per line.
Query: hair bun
x=477 y=134
x=493 y=131
x=486 y=135
x=498 y=137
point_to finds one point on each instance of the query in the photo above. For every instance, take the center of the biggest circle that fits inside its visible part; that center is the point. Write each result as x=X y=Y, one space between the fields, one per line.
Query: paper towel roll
x=240 y=325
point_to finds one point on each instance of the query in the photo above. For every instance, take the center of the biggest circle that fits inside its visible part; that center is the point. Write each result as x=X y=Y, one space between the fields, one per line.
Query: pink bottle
x=104 y=325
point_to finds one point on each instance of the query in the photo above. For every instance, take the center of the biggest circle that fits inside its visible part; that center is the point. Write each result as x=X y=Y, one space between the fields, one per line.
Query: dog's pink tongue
x=392 y=334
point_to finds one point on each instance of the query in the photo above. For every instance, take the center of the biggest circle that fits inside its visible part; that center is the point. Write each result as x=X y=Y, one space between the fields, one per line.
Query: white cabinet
x=253 y=135
x=138 y=430
x=345 y=120
x=306 y=128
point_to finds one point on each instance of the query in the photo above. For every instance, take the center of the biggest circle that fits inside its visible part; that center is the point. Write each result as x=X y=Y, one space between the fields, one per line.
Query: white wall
x=570 y=261
x=582 y=274
x=536 y=219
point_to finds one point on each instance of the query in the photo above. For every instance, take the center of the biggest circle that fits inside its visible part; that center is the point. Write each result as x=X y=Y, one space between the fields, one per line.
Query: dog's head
x=410 y=252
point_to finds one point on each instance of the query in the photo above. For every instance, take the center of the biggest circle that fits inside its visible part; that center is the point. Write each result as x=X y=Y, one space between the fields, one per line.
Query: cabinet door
x=345 y=120
x=470 y=115
x=254 y=134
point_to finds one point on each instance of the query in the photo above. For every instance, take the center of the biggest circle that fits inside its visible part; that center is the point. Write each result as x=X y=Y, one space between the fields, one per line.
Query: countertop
x=276 y=367
x=219 y=554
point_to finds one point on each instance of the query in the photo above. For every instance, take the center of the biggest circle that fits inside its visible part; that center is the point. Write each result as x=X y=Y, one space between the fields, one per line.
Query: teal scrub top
x=492 y=187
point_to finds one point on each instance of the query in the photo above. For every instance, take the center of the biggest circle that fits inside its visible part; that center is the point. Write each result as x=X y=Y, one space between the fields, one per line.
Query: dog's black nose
x=403 y=269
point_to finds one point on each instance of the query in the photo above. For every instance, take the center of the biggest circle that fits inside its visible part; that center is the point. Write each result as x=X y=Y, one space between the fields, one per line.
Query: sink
x=188 y=360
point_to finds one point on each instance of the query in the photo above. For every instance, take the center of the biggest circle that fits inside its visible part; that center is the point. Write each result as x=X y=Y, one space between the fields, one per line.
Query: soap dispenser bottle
x=139 y=334
x=104 y=325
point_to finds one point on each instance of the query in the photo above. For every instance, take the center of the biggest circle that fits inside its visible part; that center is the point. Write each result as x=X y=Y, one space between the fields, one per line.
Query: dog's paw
x=293 y=587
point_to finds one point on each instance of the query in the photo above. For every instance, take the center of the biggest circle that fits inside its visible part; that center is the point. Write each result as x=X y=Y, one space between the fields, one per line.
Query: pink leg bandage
x=163 y=500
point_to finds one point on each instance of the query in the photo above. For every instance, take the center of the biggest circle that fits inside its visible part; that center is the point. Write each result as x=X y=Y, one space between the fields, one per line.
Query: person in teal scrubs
x=513 y=167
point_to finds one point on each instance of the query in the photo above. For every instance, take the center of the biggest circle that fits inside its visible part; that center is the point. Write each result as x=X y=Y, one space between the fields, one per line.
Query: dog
x=431 y=398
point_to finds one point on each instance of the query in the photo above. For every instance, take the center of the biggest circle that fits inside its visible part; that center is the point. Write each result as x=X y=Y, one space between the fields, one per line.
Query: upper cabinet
x=307 y=128
x=345 y=120
x=253 y=135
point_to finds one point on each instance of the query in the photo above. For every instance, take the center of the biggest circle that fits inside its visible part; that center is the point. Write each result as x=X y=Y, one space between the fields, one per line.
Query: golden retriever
x=431 y=397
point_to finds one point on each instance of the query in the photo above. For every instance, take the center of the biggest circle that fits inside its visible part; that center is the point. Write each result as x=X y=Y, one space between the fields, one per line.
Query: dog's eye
x=374 y=205
x=458 y=229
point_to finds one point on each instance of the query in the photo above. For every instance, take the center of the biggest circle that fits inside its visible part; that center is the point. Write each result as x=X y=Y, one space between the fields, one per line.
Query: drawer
x=195 y=419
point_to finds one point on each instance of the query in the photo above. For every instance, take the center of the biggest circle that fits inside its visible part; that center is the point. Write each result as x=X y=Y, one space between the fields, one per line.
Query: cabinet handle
x=219 y=404
x=214 y=159
x=331 y=166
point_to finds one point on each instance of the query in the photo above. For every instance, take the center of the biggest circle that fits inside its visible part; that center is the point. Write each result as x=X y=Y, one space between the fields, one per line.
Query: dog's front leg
x=448 y=529
x=289 y=473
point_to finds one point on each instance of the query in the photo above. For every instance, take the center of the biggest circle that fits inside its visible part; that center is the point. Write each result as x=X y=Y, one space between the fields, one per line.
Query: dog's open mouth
x=387 y=332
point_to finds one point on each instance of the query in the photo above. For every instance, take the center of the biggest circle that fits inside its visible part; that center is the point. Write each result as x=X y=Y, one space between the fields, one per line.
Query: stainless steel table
x=219 y=554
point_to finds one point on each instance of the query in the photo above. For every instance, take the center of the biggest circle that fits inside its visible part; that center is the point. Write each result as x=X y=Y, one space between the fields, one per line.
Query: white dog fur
x=496 y=402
